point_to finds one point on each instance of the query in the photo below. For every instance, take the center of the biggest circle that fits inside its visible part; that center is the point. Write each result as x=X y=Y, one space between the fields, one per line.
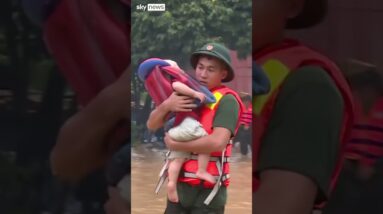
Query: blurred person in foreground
x=302 y=124
x=90 y=42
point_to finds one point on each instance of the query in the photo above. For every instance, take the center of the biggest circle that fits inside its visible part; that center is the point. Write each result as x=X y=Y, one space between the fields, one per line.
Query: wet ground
x=147 y=163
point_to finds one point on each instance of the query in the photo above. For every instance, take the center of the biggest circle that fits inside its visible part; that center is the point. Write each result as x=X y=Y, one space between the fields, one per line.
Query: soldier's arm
x=283 y=191
x=216 y=141
x=175 y=103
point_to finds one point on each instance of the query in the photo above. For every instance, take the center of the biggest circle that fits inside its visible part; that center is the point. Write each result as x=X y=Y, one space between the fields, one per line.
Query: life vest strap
x=162 y=175
x=213 y=159
x=217 y=185
x=193 y=175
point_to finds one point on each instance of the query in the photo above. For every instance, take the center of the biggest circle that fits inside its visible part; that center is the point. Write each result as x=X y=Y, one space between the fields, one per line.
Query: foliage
x=187 y=25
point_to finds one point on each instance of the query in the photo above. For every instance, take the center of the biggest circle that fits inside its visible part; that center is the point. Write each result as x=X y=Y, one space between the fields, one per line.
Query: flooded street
x=146 y=165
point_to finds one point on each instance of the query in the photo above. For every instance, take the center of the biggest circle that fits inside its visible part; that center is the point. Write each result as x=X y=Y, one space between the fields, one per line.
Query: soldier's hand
x=180 y=103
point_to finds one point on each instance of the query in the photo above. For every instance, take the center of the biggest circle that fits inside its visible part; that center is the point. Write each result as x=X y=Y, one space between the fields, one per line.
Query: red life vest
x=206 y=119
x=285 y=58
x=366 y=143
x=247 y=116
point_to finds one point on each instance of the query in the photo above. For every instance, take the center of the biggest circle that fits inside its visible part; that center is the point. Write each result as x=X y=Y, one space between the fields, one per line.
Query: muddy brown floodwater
x=146 y=165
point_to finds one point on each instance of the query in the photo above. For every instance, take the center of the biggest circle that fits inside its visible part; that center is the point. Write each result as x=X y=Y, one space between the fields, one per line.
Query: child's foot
x=172 y=192
x=205 y=176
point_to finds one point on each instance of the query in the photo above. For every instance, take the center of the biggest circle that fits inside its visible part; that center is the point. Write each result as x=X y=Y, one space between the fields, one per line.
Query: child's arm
x=186 y=90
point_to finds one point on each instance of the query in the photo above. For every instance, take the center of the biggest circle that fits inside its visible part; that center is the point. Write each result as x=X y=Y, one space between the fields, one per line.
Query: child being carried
x=186 y=127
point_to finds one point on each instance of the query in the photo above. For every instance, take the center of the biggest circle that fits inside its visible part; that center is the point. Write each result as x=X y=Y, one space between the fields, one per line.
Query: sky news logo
x=151 y=7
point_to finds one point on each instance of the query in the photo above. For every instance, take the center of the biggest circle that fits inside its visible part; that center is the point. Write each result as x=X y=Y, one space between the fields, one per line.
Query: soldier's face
x=210 y=72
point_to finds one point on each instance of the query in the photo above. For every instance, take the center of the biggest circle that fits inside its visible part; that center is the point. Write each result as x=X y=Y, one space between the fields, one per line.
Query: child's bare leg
x=173 y=173
x=203 y=160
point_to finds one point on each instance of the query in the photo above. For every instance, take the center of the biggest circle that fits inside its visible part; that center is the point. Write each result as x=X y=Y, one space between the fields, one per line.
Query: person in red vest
x=365 y=143
x=245 y=130
x=212 y=64
x=360 y=183
x=303 y=122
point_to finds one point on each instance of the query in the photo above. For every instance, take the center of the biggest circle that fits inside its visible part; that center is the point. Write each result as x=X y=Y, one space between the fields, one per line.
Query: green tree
x=187 y=25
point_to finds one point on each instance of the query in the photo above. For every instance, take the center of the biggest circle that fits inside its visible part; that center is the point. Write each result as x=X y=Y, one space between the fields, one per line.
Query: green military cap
x=218 y=51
